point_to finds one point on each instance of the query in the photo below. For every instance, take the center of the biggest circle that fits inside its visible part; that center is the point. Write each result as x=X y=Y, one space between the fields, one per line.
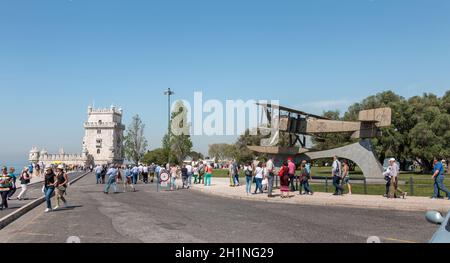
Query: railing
x=414 y=186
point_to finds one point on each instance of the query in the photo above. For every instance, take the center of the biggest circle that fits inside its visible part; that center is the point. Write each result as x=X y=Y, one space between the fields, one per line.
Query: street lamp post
x=169 y=93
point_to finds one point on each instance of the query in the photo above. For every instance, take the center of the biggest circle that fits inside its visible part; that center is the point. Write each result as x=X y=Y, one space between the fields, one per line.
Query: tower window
x=99 y=131
x=98 y=151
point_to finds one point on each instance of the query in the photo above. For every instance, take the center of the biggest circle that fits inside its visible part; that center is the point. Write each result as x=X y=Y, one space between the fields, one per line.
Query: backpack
x=248 y=172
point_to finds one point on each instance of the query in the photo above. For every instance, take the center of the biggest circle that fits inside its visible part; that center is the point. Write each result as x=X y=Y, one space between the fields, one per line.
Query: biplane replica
x=297 y=125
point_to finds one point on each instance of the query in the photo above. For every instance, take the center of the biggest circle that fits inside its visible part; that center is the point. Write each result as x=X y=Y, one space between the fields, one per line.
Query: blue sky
x=57 y=56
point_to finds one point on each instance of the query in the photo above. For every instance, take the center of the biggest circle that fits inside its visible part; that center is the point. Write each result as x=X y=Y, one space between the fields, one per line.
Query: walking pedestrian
x=103 y=175
x=190 y=172
x=112 y=175
x=271 y=171
x=173 y=178
x=196 y=174
x=152 y=172
x=5 y=187
x=145 y=172
x=201 y=172
x=184 y=177
x=98 y=173
x=284 y=180
x=234 y=173
x=127 y=180
x=438 y=176
x=291 y=173
x=13 y=177
x=346 y=176
x=304 y=179
x=62 y=181
x=259 y=175
x=135 y=174
x=49 y=187
x=24 y=179
x=248 y=171
x=336 y=173
x=208 y=175
x=395 y=171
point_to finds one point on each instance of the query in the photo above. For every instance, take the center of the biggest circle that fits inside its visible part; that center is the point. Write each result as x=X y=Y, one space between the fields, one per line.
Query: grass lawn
x=422 y=183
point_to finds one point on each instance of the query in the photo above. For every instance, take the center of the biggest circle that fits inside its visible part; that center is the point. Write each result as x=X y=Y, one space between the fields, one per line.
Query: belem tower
x=102 y=143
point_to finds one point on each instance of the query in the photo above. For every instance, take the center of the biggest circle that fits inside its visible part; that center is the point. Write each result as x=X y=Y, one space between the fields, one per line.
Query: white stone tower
x=103 y=138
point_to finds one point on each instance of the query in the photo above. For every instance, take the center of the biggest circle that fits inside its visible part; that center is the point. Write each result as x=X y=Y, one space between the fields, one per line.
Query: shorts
x=346 y=180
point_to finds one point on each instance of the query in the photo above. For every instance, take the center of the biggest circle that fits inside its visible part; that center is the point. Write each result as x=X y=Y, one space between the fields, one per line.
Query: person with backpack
x=336 y=173
x=208 y=175
x=13 y=177
x=62 y=182
x=234 y=173
x=304 y=179
x=284 y=180
x=5 y=187
x=248 y=171
x=201 y=173
x=24 y=179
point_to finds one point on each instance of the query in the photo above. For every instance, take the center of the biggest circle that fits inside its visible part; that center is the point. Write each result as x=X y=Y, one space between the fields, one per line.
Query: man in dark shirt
x=184 y=176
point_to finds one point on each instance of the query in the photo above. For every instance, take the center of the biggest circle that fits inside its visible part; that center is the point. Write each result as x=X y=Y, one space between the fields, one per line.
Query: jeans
x=292 y=182
x=135 y=178
x=439 y=186
x=185 y=181
x=173 y=183
x=270 y=186
x=249 y=181
x=259 y=185
x=99 y=178
x=208 y=179
x=189 y=180
x=111 y=181
x=305 y=185
x=388 y=187
x=145 y=178
x=12 y=191
x=236 y=179
x=4 y=195
x=48 y=196
x=337 y=185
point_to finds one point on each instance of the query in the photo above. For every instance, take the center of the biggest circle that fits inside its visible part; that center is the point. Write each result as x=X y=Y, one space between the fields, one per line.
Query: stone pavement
x=220 y=187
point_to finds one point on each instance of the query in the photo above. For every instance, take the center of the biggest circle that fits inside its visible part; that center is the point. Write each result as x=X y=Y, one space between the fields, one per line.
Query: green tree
x=180 y=144
x=135 y=143
x=157 y=156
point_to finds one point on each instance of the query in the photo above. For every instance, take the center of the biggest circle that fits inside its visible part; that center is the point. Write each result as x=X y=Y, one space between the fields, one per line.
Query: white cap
x=392 y=160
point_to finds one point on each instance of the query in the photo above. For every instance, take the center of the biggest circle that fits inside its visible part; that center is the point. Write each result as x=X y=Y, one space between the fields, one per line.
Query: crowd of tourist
x=128 y=175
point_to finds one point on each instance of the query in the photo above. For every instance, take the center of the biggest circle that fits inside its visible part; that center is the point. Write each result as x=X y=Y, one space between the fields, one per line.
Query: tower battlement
x=110 y=110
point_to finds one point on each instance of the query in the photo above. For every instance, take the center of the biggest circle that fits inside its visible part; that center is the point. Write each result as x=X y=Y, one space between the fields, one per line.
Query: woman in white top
x=259 y=176
x=248 y=171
